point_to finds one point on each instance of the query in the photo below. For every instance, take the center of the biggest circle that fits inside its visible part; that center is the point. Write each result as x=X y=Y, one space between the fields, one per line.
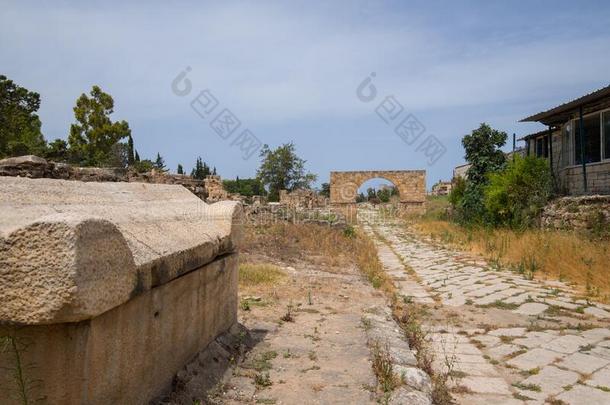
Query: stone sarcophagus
x=108 y=289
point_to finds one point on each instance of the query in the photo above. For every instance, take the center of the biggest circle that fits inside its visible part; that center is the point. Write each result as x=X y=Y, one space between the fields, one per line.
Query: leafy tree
x=180 y=169
x=282 y=169
x=457 y=191
x=515 y=196
x=144 y=165
x=483 y=153
x=384 y=194
x=118 y=156
x=245 y=187
x=371 y=193
x=94 y=134
x=325 y=191
x=19 y=124
x=201 y=169
x=159 y=162
x=360 y=198
x=57 y=151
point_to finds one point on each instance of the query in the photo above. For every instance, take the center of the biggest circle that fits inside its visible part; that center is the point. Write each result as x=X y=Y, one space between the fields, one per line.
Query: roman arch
x=411 y=186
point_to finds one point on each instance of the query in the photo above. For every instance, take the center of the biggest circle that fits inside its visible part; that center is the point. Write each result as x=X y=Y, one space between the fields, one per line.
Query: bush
x=457 y=191
x=516 y=195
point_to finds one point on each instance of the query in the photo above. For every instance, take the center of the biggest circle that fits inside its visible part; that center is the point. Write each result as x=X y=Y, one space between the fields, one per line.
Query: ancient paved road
x=510 y=340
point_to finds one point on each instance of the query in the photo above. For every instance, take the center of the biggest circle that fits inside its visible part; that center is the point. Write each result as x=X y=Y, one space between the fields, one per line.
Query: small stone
x=565 y=344
x=600 y=378
x=533 y=359
x=414 y=377
x=513 y=332
x=581 y=394
x=583 y=363
x=487 y=340
x=402 y=396
x=596 y=335
x=486 y=385
x=531 y=309
x=597 y=312
x=504 y=350
x=534 y=339
x=551 y=380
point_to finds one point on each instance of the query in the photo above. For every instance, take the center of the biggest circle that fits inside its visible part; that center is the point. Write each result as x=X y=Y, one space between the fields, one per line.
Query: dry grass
x=365 y=254
x=251 y=274
x=562 y=255
x=320 y=245
x=289 y=242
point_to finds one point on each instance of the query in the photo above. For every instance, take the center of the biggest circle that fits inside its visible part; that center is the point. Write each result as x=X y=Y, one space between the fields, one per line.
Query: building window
x=592 y=139
x=606 y=121
x=542 y=146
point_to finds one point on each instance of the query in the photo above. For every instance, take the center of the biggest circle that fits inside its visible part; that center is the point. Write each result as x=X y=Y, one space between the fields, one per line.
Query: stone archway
x=411 y=185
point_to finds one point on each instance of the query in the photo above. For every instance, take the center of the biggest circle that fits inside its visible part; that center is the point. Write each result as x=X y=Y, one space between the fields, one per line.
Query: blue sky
x=289 y=71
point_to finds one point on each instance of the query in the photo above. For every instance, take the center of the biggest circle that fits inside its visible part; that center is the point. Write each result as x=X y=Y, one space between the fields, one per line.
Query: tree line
x=94 y=139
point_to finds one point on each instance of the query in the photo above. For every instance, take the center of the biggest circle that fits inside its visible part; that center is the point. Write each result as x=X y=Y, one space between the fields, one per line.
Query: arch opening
x=377 y=190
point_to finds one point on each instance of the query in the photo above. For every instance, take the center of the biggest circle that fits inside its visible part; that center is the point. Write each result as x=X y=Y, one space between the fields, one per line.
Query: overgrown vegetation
x=410 y=317
x=516 y=195
x=561 y=255
x=283 y=169
x=482 y=149
x=244 y=187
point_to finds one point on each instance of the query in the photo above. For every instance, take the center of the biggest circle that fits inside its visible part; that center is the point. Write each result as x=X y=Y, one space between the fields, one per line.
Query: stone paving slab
x=583 y=395
x=583 y=363
x=569 y=354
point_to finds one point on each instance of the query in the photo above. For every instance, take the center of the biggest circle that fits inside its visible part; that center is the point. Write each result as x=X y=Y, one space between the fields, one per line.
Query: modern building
x=442 y=188
x=461 y=171
x=576 y=143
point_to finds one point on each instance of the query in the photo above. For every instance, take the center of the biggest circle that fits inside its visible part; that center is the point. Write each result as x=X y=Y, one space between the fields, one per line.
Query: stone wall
x=411 y=185
x=35 y=167
x=214 y=189
x=584 y=213
x=302 y=199
x=598 y=179
x=109 y=288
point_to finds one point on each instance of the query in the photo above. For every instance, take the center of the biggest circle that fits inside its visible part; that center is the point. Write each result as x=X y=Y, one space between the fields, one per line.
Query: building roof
x=535 y=134
x=591 y=102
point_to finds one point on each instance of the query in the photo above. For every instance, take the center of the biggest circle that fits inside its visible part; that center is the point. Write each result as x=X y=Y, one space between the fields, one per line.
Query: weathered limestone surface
x=112 y=287
x=72 y=250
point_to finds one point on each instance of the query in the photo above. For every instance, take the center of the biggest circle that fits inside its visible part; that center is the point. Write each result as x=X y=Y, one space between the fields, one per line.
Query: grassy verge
x=556 y=254
x=561 y=255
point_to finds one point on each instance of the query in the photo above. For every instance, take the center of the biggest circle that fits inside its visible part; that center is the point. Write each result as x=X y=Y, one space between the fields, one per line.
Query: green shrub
x=516 y=195
x=457 y=191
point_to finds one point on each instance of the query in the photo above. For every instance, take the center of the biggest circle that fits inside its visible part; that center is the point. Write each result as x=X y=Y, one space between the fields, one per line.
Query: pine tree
x=159 y=162
x=180 y=169
x=130 y=155
x=137 y=157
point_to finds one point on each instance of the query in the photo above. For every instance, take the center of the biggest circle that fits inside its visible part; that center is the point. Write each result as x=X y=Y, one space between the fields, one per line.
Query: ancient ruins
x=114 y=285
x=411 y=185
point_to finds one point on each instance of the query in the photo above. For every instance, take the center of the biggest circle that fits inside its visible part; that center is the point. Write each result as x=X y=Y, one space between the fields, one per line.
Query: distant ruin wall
x=109 y=289
x=35 y=167
x=305 y=199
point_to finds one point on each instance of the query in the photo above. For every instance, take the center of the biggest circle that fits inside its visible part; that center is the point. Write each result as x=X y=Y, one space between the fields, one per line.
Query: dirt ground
x=302 y=313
